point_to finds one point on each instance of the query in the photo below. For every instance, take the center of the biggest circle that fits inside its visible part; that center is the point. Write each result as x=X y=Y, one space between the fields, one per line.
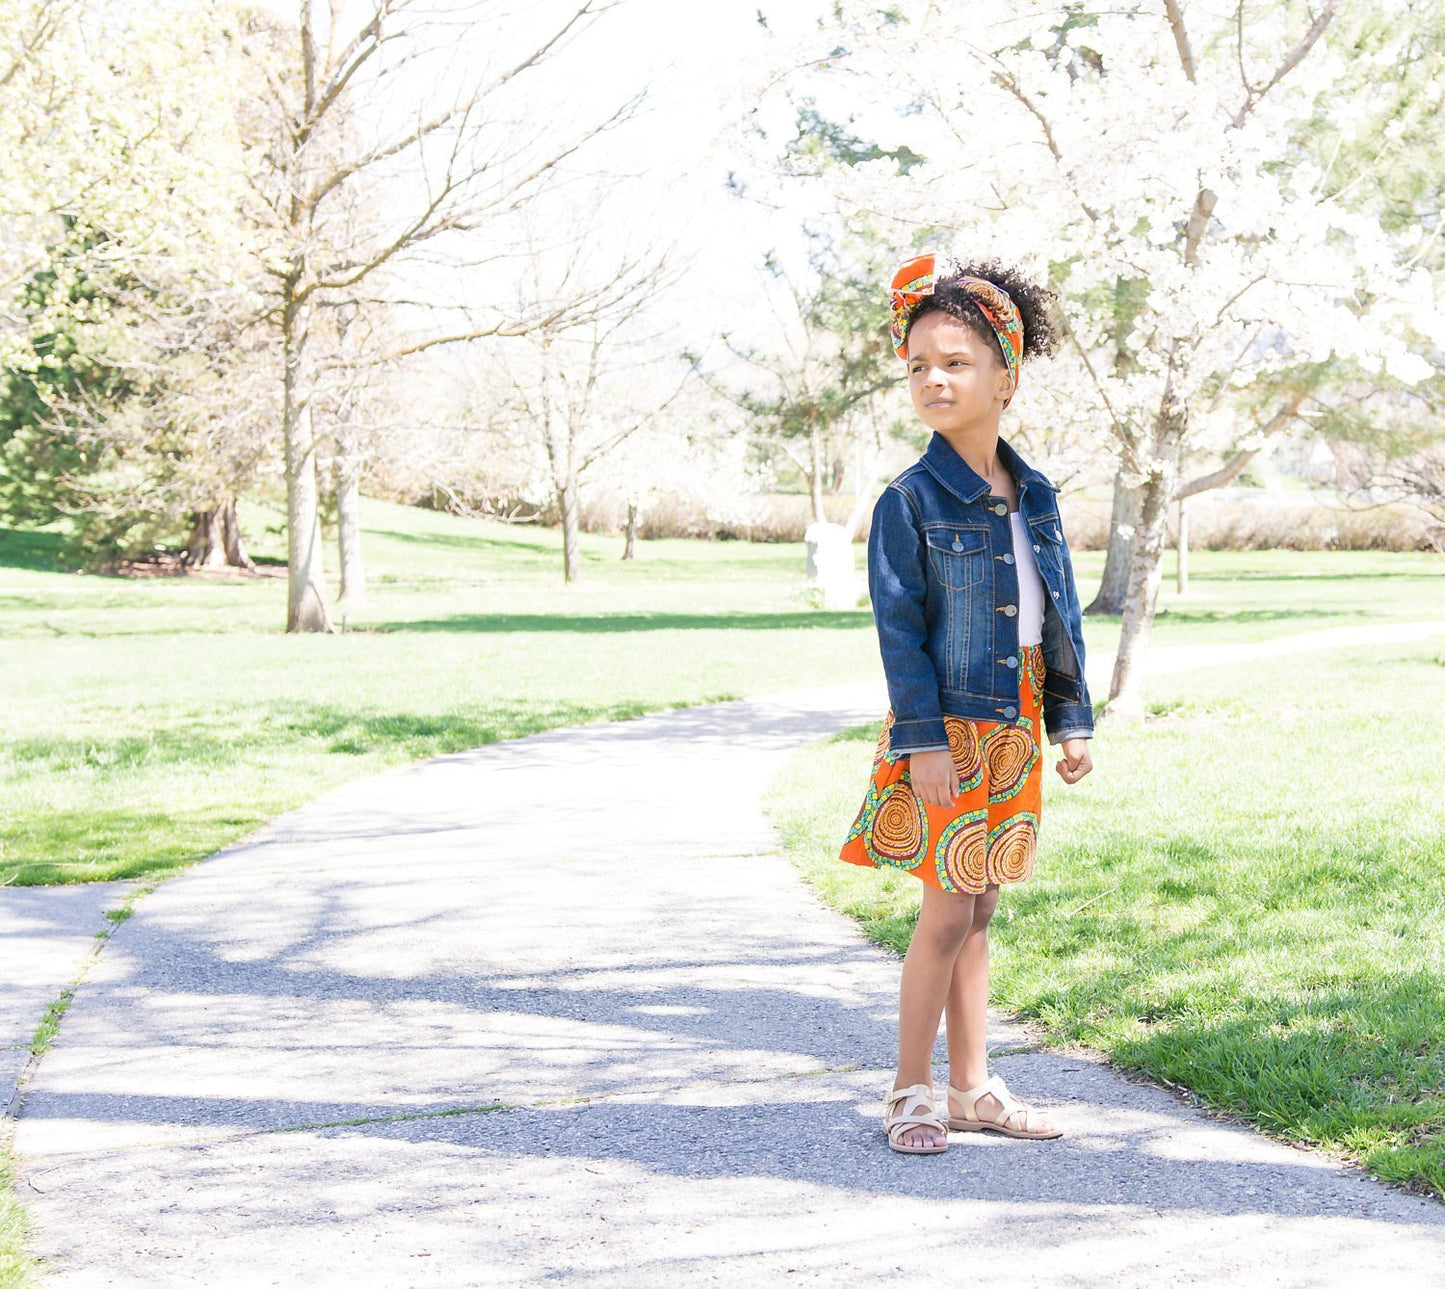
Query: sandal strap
x=917 y=1110
x=1011 y=1105
x=923 y=1090
x=971 y=1096
x=904 y=1122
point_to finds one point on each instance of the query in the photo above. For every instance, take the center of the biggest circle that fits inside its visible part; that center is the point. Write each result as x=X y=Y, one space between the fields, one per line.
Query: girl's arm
x=897 y=586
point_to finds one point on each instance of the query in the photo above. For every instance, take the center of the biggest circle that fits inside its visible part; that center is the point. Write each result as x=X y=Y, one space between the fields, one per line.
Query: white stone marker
x=830 y=565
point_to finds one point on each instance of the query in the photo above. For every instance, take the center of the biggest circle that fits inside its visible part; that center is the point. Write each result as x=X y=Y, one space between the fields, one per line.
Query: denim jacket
x=945 y=600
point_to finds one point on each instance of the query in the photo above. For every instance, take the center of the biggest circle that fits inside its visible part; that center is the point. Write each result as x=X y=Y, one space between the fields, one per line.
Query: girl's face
x=954 y=376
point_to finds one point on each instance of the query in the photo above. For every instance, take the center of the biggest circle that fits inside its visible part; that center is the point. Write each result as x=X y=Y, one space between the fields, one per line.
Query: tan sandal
x=913 y=1107
x=1010 y=1119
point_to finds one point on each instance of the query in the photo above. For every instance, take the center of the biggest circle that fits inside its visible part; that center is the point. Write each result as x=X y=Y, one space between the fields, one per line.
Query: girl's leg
x=967 y=1003
x=943 y=923
x=967 y=1014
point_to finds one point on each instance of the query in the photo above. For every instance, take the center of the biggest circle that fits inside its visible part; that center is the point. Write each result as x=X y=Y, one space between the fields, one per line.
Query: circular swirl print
x=1010 y=752
x=898 y=829
x=1011 y=848
x=865 y=815
x=960 y=856
x=1037 y=670
x=967 y=756
x=884 y=751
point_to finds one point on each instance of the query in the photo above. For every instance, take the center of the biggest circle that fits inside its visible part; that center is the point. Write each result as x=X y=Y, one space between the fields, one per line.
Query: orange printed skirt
x=989 y=835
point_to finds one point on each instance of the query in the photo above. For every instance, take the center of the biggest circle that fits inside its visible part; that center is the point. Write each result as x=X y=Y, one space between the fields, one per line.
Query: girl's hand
x=1075 y=762
x=935 y=777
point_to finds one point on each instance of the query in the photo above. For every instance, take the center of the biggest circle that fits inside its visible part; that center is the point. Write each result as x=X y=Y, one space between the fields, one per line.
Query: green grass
x=1246 y=897
x=17 y=1268
x=49 y=1025
x=149 y=722
x=1239 y=596
x=1279 y=951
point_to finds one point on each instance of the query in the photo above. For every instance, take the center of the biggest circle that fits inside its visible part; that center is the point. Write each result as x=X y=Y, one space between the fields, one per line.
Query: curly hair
x=1036 y=304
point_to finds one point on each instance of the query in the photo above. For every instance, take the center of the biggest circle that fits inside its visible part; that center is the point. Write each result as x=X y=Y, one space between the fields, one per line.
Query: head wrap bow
x=916 y=279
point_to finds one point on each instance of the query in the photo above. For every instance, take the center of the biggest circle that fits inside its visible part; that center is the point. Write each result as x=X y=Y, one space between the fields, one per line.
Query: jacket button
x=1010 y=609
x=1036 y=545
x=1010 y=711
x=1008 y=559
x=957 y=545
x=1056 y=595
x=1000 y=510
x=1011 y=661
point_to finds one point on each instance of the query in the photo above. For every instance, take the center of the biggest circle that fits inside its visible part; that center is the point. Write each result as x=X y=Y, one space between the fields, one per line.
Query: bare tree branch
x=1232 y=468
x=1181 y=38
x=1292 y=59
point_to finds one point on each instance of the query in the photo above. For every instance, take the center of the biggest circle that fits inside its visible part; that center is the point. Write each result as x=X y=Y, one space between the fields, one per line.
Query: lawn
x=1246 y=897
x=17 y=1268
x=150 y=721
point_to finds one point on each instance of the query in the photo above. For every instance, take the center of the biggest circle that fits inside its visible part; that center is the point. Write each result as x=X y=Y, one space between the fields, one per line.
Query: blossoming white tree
x=1158 y=164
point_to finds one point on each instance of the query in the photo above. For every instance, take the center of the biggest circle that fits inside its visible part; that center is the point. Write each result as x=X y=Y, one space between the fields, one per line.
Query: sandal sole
x=919 y=1150
x=965 y=1125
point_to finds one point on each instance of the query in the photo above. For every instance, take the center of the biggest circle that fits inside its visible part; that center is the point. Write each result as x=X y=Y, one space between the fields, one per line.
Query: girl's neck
x=978 y=446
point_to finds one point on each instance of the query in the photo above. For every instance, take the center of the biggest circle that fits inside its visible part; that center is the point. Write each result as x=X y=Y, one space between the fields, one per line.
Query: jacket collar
x=961 y=479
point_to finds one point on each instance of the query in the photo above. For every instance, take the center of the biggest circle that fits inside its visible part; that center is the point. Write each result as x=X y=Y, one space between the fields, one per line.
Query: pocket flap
x=1046 y=528
x=955 y=541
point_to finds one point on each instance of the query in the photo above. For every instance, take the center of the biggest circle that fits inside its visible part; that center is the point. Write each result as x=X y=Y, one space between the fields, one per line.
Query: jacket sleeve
x=1063 y=719
x=897 y=584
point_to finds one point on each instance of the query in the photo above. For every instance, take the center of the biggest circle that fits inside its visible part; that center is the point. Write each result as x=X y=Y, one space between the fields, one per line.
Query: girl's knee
x=946 y=917
x=983 y=907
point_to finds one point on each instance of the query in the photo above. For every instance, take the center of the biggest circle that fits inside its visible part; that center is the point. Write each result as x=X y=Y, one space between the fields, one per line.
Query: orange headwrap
x=916 y=278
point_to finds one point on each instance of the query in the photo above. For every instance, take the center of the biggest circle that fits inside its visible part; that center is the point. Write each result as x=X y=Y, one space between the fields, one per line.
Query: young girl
x=981 y=634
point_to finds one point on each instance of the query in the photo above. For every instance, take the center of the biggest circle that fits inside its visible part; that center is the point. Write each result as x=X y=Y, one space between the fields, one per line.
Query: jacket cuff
x=1069 y=720
x=925 y=734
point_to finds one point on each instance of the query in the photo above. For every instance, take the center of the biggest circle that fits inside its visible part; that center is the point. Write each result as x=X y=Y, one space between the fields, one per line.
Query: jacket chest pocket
x=956 y=557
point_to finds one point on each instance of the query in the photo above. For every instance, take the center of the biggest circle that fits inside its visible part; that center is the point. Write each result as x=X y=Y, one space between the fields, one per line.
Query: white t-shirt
x=1031 y=584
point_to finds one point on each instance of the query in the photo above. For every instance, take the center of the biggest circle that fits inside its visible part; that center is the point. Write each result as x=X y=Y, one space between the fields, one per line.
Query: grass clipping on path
x=1246 y=897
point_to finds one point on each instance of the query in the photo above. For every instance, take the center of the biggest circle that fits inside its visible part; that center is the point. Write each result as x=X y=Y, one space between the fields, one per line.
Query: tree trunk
x=305 y=581
x=634 y=514
x=1114 y=586
x=348 y=516
x=236 y=554
x=571 y=506
x=815 y=476
x=1181 y=571
x=1126 y=686
x=206 y=546
x=865 y=468
x=215 y=540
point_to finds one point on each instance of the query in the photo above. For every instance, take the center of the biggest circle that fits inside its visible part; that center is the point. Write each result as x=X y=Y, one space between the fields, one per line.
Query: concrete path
x=553 y=1010
x=47 y=940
